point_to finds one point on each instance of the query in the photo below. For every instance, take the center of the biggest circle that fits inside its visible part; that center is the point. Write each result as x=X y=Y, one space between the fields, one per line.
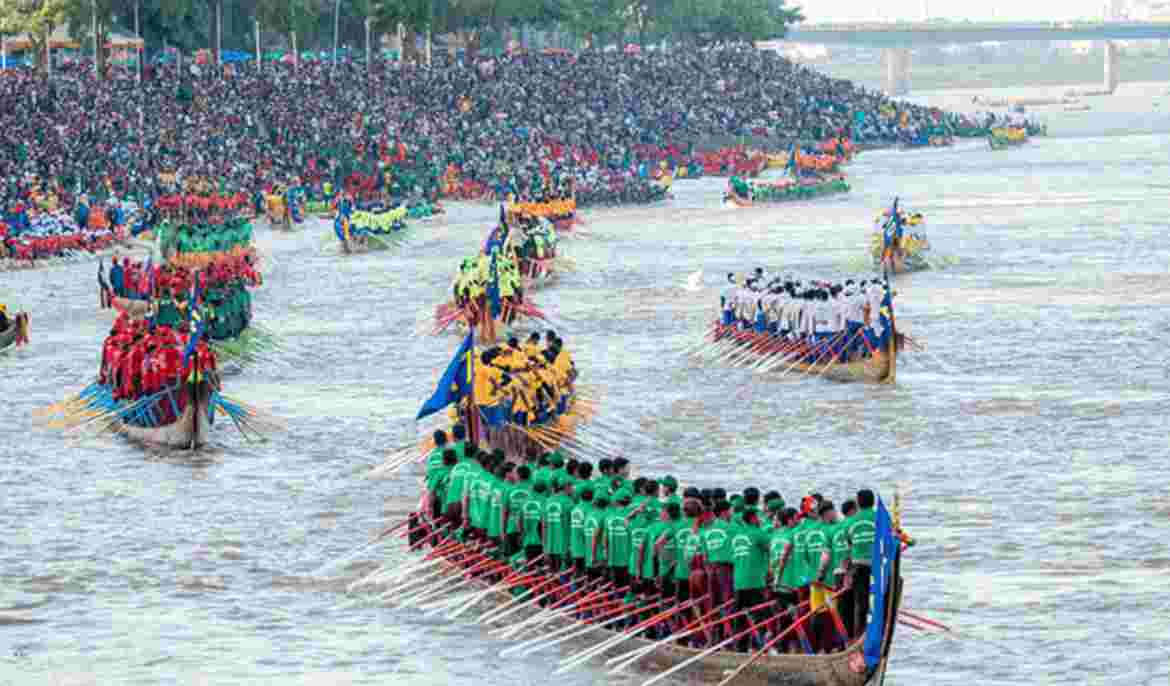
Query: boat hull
x=188 y=432
x=843 y=668
x=902 y=264
x=879 y=368
x=352 y=246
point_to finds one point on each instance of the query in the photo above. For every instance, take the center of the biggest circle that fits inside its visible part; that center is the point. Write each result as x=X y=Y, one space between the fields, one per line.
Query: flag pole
x=472 y=408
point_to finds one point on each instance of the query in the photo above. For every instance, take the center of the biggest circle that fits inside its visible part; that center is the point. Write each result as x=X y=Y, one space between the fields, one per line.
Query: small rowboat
x=16 y=332
x=188 y=432
x=846 y=667
x=880 y=367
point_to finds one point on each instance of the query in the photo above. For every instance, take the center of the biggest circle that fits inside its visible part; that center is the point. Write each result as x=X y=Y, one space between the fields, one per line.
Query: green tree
x=415 y=16
x=87 y=16
x=37 y=19
x=703 y=21
x=295 y=18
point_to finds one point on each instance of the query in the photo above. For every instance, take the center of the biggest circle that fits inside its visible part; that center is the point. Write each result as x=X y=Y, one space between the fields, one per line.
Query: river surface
x=1029 y=439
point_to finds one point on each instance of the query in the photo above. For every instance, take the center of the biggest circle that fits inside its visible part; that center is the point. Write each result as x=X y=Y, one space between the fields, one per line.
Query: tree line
x=474 y=24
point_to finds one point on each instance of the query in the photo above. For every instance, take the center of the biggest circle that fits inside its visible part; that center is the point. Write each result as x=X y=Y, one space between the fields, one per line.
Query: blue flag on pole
x=197 y=326
x=885 y=317
x=456 y=381
x=885 y=550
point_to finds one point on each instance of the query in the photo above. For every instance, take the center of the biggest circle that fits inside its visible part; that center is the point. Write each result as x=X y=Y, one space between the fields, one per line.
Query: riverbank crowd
x=512 y=125
x=741 y=556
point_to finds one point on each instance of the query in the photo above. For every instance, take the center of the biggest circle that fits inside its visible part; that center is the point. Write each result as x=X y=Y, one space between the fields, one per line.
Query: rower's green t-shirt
x=617 y=538
x=817 y=541
x=717 y=542
x=639 y=545
x=799 y=560
x=838 y=543
x=556 y=524
x=687 y=544
x=781 y=539
x=516 y=497
x=459 y=474
x=532 y=512
x=435 y=459
x=496 y=509
x=861 y=534
x=479 y=498
x=749 y=556
x=437 y=481
x=652 y=563
x=594 y=523
x=577 y=517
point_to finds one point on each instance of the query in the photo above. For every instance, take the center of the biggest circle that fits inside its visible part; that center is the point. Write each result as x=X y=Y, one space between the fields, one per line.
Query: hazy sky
x=1003 y=10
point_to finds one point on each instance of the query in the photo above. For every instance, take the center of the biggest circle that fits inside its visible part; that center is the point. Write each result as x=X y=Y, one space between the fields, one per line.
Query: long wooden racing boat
x=846 y=667
x=880 y=367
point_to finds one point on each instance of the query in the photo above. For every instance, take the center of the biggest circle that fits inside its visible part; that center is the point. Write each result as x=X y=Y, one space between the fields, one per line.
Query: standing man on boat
x=520 y=491
x=717 y=550
x=860 y=532
x=749 y=554
x=782 y=566
x=820 y=555
x=840 y=571
x=557 y=524
x=531 y=522
x=577 y=518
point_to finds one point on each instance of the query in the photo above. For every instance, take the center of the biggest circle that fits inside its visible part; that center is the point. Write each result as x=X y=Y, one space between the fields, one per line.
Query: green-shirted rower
x=531 y=521
x=557 y=525
x=577 y=518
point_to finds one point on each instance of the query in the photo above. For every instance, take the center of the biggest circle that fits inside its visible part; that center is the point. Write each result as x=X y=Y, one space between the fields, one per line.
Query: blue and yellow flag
x=885 y=555
x=456 y=382
x=197 y=326
x=886 y=316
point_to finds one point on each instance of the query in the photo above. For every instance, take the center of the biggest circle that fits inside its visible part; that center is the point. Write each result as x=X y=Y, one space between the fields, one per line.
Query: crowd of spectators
x=494 y=126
